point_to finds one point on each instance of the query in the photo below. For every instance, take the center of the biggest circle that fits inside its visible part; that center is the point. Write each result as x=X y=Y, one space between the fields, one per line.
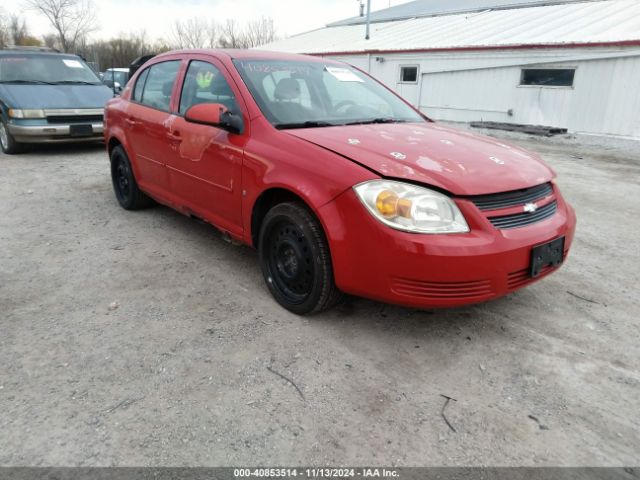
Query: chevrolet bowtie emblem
x=530 y=207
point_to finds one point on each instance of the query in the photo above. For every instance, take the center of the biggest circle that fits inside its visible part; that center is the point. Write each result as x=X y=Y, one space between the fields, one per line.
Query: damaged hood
x=460 y=162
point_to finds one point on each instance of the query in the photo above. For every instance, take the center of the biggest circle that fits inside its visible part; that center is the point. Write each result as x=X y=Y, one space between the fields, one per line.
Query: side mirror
x=215 y=115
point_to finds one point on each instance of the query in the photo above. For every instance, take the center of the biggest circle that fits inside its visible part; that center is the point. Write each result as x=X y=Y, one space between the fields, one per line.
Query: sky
x=156 y=17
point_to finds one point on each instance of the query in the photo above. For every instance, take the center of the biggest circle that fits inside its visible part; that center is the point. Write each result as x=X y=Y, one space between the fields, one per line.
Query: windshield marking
x=294 y=94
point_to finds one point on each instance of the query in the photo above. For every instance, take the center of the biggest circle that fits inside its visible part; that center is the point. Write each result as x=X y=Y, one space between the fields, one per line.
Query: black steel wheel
x=129 y=196
x=295 y=260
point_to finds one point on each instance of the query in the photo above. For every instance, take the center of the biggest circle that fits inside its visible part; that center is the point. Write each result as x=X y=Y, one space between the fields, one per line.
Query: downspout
x=366 y=37
x=422 y=74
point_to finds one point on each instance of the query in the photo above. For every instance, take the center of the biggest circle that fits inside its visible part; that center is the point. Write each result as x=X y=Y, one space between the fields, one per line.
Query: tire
x=295 y=260
x=7 y=142
x=129 y=195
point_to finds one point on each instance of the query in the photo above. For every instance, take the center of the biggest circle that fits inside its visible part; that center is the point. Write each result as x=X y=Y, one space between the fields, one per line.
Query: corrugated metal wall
x=468 y=86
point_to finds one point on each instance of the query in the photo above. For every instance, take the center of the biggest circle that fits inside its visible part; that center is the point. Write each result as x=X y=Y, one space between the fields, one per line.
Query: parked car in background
x=116 y=78
x=48 y=97
x=340 y=184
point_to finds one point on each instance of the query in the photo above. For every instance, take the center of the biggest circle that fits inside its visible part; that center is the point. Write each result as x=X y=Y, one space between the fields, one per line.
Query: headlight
x=16 y=113
x=410 y=208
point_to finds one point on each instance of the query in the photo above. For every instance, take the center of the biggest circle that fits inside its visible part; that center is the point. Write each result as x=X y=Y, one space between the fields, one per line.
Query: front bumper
x=52 y=133
x=418 y=270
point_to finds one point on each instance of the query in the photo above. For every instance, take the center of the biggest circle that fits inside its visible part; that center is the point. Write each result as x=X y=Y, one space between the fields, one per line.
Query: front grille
x=495 y=201
x=74 y=118
x=521 y=278
x=525 y=218
x=441 y=290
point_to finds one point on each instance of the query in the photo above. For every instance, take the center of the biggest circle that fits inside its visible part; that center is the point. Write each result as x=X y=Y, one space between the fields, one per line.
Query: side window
x=137 y=91
x=159 y=84
x=409 y=74
x=204 y=83
x=550 y=77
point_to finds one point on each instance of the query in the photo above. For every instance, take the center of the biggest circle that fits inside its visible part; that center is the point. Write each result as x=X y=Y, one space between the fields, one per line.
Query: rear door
x=206 y=162
x=147 y=117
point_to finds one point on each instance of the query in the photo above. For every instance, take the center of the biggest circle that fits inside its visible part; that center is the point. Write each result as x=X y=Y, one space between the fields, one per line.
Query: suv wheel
x=295 y=260
x=129 y=196
x=7 y=143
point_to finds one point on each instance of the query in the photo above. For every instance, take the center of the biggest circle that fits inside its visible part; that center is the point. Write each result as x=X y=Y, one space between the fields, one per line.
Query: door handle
x=130 y=121
x=174 y=137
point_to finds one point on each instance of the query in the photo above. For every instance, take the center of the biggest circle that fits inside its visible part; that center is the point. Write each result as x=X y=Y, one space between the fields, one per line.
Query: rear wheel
x=7 y=142
x=295 y=260
x=129 y=195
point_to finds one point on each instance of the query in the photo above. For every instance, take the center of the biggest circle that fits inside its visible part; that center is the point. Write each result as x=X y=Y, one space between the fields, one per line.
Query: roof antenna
x=366 y=37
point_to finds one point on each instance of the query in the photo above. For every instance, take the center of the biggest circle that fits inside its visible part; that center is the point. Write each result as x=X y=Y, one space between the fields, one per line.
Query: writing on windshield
x=307 y=94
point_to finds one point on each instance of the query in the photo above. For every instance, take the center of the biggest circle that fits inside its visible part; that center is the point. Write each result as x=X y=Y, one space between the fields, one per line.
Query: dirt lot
x=144 y=339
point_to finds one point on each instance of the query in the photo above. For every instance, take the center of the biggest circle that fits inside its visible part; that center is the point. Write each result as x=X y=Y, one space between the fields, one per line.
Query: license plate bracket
x=547 y=254
x=81 y=130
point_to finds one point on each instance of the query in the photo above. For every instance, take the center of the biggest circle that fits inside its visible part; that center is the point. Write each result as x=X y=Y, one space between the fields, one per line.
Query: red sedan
x=340 y=184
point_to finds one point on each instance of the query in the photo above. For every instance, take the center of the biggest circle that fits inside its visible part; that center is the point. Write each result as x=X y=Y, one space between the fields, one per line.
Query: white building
x=571 y=64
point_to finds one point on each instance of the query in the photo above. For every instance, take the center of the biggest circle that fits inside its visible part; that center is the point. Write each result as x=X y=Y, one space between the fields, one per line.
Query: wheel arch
x=113 y=143
x=268 y=199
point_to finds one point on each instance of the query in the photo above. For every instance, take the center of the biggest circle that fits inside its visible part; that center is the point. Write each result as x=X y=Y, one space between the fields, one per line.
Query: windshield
x=116 y=76
x=50 y=69
x=299 y=94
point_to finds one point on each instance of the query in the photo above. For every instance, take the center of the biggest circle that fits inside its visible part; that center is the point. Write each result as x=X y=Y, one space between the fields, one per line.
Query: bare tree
x=72 y=20
x=117 y=52
x=50 y=40
x=232 y=35
x=252 y=34
x=194 y=33
x=4 y=29
x=14 y=31
x=18 y=29
x=260 y=32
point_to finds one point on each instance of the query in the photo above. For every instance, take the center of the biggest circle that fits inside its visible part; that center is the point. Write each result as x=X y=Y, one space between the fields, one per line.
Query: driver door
x=205 y=162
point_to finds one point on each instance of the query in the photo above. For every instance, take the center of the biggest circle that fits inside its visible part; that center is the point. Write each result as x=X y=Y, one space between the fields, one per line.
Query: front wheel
x=295 y=260
x=7 y=142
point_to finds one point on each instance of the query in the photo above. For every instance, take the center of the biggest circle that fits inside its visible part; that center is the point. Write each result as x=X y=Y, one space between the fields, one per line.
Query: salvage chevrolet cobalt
x=340 y=184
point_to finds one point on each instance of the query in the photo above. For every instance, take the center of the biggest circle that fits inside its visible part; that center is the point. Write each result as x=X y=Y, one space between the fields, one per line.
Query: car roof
x=244 y=54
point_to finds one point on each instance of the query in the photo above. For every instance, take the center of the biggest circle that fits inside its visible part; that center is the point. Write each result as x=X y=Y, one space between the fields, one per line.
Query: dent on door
x=198 y=148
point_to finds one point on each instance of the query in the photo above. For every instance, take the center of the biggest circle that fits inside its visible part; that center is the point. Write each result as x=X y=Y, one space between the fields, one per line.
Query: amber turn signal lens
x=390 y=205
x=386 y=203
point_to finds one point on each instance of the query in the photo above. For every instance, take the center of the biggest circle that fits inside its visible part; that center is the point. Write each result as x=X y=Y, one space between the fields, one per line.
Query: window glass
x=303 y=94
x=137 y=92
x=159 y=84
x=270 y=82
x=554 y=77
x=358 y=94
x=204 y=83
x=45 y=68
x=409 y=74
x=116 y=76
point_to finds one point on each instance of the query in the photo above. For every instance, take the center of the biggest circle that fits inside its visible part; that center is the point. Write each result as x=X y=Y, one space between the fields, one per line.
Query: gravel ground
x=144 y=339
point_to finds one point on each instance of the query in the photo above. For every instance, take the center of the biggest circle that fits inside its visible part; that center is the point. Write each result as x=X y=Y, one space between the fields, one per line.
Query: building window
x=409 y=74
x=548 y=77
